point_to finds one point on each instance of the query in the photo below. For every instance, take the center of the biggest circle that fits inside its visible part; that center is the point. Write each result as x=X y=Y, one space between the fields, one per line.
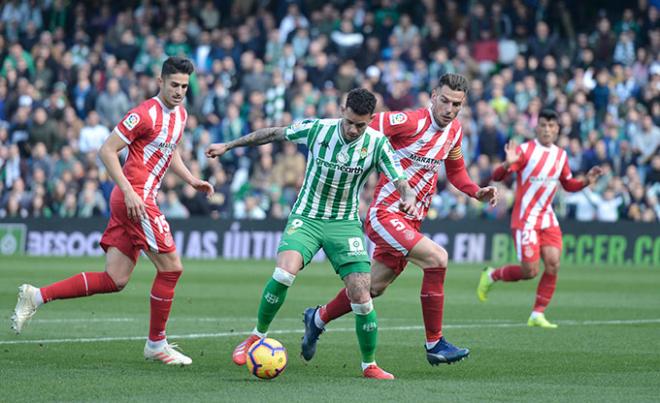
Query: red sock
x=336 y=308
x=544 y=291
x=162 y=294
x=511 y=272
x=80 y=285
x=433 y=300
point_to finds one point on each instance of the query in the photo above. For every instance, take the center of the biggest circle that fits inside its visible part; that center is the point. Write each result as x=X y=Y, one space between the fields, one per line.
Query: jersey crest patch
x=295 y=126
x=398 y=118
x=131 y=121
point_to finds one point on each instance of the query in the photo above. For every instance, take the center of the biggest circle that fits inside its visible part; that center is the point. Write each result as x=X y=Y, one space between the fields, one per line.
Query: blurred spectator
x=70 y=72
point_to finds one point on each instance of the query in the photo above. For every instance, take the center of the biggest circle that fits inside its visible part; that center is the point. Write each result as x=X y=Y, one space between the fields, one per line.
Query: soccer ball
x=266 y=358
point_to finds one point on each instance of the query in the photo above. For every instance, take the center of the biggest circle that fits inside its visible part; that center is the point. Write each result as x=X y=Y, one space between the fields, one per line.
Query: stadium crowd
x=71 y=70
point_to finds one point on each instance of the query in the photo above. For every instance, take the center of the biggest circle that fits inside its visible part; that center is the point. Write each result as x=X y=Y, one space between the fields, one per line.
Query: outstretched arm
x=575 y=185
x=257 y=137
x=458 y=176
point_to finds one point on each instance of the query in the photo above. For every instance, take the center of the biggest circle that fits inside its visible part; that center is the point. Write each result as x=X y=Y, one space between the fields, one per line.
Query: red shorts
x=528 y=242
x=394 y=237
x=152 y=233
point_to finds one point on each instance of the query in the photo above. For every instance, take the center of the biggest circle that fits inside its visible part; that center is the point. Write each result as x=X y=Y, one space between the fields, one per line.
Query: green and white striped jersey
x=337 y=171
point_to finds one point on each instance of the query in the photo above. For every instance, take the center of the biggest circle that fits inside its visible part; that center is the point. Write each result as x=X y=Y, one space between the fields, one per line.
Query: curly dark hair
x=361 y=101
x=176 y=64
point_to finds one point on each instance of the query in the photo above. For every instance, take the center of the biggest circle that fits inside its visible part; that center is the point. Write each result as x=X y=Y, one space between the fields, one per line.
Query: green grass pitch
x=607 y=347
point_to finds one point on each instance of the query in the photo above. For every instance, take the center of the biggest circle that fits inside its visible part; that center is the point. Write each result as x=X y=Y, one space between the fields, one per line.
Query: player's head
x=448 y=98
x=174 y=79
x=547 y=128
x=357 y=113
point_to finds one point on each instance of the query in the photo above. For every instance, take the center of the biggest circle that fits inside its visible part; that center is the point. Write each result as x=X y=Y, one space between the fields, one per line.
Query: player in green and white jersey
x=342 y=154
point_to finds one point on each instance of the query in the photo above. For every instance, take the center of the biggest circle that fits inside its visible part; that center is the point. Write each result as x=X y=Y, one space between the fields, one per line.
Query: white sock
x=490 y=276
x=535 y=314
x=318 y=321
x=258 y=333
x=431 y=344
x=366 y=364
x=38 y=299
x=156 y=344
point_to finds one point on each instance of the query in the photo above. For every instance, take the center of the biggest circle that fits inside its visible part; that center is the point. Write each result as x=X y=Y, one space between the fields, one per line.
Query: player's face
x=547 y=131
x=352 y=124
x=445 y=104
x=173 y=88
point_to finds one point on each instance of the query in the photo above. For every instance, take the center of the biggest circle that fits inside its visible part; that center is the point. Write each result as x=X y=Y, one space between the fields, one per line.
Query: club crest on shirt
x=363 y=152
x=398 y=118
x=131 y=121
x=342 y=157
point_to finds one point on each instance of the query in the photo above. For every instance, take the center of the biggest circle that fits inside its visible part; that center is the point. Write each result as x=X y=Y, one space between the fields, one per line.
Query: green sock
x=271 y=300
x=366 y=327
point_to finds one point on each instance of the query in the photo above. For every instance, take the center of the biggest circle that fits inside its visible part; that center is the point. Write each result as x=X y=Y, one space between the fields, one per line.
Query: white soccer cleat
x=25 y=307
x=166 y=354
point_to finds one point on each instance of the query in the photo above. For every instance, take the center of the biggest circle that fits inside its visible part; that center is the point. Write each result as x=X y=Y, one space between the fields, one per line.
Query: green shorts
x=342 y=242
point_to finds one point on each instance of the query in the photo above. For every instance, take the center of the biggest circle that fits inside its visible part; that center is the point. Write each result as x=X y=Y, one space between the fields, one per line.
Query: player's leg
x=289 y=263
x=550 y=253
x=433 y=259
x=366 y=321
x=168 y=271
x=315 y=319
x=528 y=253
x=118 y=269
x=300 y=242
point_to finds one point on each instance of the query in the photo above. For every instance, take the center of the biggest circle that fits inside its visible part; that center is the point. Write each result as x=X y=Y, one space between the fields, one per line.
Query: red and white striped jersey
x=152 y=132
x=421 y=145
x=540 y=170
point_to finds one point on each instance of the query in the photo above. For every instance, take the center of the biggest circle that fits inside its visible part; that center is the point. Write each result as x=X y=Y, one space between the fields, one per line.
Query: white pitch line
x=347 y=329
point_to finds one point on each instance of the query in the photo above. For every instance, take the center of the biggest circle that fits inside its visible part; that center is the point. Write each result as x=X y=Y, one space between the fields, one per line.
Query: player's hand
x=203 y=186
x=408 y=207
x=512 y=154
x=489 y=194
x=593 y=174
x=216 y=150
x=135 y=208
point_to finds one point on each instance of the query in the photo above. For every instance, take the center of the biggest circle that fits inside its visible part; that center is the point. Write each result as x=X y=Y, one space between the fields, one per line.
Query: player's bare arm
x=182 y=171
x=134 y=204
x=257 y=137
x=407 y=203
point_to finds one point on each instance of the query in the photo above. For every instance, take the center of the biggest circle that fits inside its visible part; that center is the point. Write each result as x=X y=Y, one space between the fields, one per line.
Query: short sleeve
x=300 y=131
x=132 y=126
x=393 y=124
x=388 y=163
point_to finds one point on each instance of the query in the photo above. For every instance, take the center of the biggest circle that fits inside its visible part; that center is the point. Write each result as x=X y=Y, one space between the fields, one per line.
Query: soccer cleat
x=445 y=353
x=167 y=354
x=239 y=356
x=485 y=283
x=25 y=307
x=539 y=320
x=312 y=333
x=373 y=371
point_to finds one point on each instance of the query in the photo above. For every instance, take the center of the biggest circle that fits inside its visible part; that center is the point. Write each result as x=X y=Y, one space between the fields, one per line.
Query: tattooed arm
x=257 y=137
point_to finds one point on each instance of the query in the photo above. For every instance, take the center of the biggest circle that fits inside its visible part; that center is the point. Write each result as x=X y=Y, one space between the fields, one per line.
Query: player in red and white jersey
x=541 y=167
x=423 y=140
x=151 y=131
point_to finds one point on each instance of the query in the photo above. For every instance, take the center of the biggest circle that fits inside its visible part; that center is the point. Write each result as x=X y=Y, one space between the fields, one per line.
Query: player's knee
x=120 y=281
x=438 y=257
x=530 y=272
